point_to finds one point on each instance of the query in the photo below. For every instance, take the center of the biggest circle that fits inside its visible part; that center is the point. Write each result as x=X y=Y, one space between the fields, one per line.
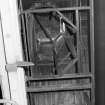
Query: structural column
x=13 y=50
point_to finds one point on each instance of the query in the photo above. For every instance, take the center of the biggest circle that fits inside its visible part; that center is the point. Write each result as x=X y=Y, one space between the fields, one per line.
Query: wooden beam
x=58 y=77
x=51 y=9
x=71 y=64
x=78 y=41
x=66 y=19
x=63 y=88
x=92 y=50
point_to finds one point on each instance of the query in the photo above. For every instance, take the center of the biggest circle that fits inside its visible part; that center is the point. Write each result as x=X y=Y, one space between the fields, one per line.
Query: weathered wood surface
x=56 y=3
x=58 y=77
x=62 y=88
x=61 y=98
x=39 y=82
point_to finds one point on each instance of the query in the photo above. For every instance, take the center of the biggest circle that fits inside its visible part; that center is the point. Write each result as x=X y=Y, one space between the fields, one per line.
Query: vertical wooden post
x=92 y=50
x=78 y=43
x=13 y=50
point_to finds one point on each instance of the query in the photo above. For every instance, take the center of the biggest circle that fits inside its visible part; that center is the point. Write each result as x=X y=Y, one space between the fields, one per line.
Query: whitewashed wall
x=12 y=45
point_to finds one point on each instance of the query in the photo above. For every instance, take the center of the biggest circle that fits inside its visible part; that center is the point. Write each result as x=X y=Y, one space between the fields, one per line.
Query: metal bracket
x=21 y=64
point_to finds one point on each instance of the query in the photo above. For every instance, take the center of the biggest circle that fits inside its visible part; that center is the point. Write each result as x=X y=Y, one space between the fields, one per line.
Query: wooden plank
x=92 y=50
x=77 y=39
x=69 y=65
x=63 y=88
x=24 y=36
x=51 y=9
x=57 y=77
x=66 y=19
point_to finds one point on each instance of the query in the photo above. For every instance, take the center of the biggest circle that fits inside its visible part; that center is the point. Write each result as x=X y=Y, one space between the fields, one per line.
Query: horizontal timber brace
x=13 y=67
